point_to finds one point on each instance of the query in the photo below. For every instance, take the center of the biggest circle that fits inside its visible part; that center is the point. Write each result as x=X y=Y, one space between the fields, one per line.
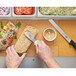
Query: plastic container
x=32 y=15
x=4 y=16
x=54 y=17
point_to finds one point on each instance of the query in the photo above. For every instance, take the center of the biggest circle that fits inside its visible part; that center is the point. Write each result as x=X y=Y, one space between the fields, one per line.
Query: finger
x=9 y=51
x=39 y=44
x=23 y=56
x=43 y=42
x=6 y=51
x=37 y=49
x=35 y=43
x=7 y=57
x=13 y=50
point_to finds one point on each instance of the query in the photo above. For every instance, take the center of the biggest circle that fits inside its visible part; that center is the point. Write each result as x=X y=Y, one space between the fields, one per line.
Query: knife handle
x=73 y=43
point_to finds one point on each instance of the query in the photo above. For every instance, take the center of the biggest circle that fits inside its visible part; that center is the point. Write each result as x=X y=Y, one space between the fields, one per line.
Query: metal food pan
x=32 y=15
x=4 y=16
x=55 y=17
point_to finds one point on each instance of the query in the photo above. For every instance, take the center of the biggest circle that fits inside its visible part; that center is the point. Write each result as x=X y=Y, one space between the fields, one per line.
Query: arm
x=44 y=52
x=12 y=58
x=52 y=63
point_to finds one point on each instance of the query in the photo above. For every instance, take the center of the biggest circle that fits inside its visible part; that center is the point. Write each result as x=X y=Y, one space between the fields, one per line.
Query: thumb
x=37 y=48
x=35 y=43
x=23 y=56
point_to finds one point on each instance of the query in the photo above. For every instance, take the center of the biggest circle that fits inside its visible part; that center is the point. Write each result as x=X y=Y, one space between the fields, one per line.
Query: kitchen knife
x=29 y=36
x=71 y=42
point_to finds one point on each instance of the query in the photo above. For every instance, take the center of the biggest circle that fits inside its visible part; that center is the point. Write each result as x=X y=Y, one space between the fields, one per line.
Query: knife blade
x=71 y=42
x=29 y=36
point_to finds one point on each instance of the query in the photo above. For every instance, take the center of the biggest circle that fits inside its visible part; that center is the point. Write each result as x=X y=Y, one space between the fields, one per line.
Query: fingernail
x=35 y=43
x=6 y=52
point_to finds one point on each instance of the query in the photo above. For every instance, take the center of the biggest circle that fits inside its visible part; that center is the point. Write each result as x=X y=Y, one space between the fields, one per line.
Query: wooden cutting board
x=59 y=46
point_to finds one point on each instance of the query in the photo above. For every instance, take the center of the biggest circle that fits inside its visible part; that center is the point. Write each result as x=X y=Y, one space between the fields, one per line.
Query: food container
x=49 y=34
x=5 y=16
x=32 y=15
x=54 y=16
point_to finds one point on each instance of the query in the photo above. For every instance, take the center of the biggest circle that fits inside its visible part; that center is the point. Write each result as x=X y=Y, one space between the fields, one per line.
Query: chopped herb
x=0 y=35
x=10 y=24
x=18 y=24
x=1 y=24
x=1 y=47
x=3 y=30
x=15 y=37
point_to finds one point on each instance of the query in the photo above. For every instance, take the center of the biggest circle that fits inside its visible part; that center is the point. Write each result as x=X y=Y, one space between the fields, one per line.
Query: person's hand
x=44 y=52
x=12 y=58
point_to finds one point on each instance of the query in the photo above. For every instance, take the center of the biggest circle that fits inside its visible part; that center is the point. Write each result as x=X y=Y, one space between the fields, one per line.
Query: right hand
x=43 y=50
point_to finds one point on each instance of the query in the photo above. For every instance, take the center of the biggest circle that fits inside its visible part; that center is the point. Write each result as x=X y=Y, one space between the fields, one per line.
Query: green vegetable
x=1 y=47
x=18 y=24
x=0 y=35
x=15 y=37
x=59 y=11
x=1 y=24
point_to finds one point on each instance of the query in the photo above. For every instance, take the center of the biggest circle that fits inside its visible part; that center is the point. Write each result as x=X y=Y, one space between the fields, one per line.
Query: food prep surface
x=59 y=46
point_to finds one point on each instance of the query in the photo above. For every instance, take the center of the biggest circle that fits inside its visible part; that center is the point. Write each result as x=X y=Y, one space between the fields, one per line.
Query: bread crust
x=23 y=42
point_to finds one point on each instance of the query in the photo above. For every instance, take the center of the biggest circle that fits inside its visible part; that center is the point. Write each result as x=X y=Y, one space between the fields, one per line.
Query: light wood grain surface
x=59 y=46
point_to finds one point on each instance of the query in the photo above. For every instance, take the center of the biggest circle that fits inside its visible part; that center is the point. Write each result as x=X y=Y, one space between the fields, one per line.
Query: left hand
x=12 y=58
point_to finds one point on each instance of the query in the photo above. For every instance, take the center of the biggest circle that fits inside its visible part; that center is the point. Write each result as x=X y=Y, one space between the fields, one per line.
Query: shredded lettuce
x=58 y=11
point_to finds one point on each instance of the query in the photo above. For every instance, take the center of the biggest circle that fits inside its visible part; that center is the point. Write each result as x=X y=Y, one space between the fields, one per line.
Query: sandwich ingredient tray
x=30 y=15
x=56 y=16
x=6 y=15
x=36 y=15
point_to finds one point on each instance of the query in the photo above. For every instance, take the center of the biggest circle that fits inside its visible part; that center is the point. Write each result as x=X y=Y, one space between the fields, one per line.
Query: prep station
x=61 y=50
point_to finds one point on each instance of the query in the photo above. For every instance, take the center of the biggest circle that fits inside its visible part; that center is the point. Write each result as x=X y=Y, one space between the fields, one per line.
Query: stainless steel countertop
x=35 y=62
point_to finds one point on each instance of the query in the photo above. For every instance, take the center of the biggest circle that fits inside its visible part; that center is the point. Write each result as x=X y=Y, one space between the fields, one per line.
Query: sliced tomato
x=23 y=10
x=28 y=10
x=8 y=28
x=18 y=10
